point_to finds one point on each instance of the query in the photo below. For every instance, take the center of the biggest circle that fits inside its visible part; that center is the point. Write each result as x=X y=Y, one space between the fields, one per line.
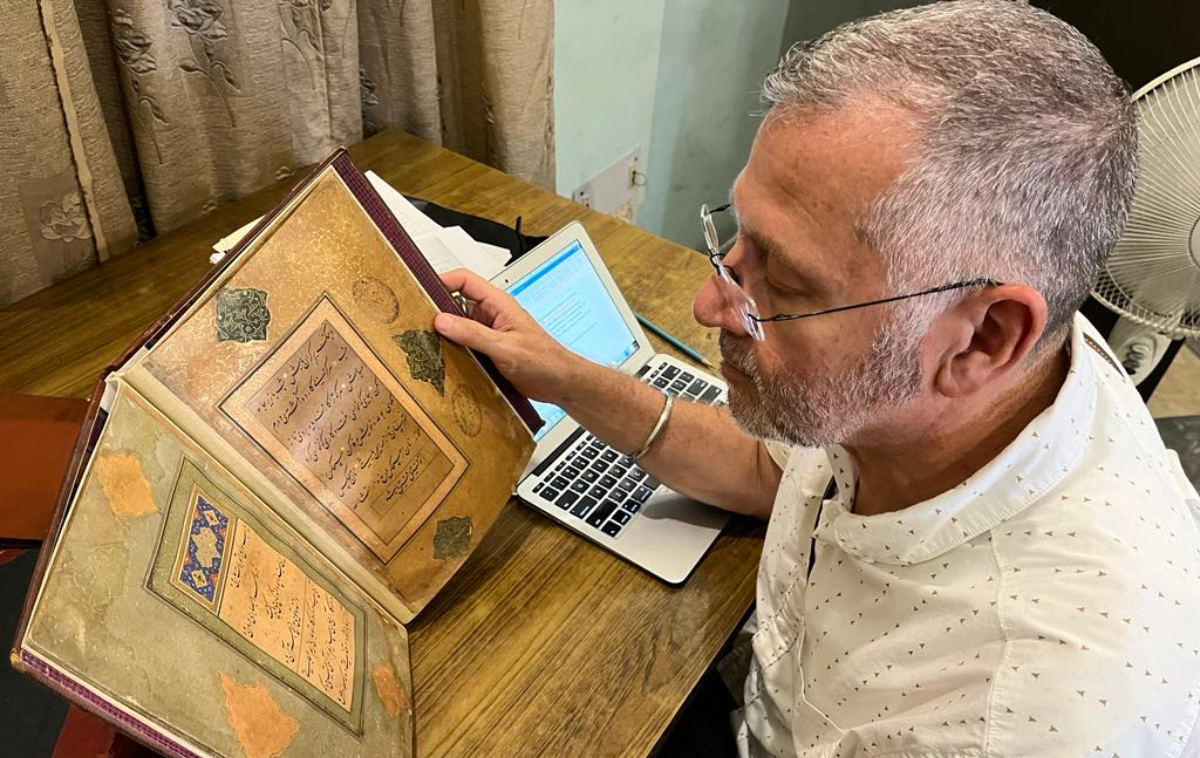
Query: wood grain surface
x=543 y=644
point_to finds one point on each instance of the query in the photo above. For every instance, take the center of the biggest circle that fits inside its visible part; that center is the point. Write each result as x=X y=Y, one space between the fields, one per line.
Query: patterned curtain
x=126 y=118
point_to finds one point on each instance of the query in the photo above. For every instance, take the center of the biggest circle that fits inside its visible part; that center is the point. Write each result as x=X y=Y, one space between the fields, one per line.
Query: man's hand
x=536 y=363
x=701 y=452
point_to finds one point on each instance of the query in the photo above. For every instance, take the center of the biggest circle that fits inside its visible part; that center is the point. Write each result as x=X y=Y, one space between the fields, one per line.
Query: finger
x=453 y=279
x=471 y=285
x=466 y=332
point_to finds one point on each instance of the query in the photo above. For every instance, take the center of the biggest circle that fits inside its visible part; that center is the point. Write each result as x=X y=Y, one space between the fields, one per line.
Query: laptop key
x=579 y=487
x=686 y=377
x=612 y=529
x=678 y=385
x=651 y=483
x=632 y=506
x=571 y=472
x=697 y=387
x=550 y=493
x=628 y=485
x=599 y=465
x=567 y=499
x=598 y=492
x=608 y=482
x=661 y=382
x=590 y=476
x=621 y=516
x=618 y=494
x=618 y=471
x=583 y=507
x=538 y=488
x=642 y=495
x=601 y=514
x=590 y=453
x=710 y=394
x=610 y=455
x=560 y=483
x=637 y=475
x=670 y=372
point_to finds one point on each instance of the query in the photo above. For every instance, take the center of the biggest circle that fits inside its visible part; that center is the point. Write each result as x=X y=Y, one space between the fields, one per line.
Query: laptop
x=575 y=478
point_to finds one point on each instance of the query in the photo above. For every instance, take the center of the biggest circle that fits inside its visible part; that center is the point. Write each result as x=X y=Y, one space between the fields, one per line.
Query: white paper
x=417 y=224
x=227 y=243
x=470 y=253
x=438 y=254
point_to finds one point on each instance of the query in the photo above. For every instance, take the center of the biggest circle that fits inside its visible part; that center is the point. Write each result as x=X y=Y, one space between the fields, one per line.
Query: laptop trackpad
x=668 y=505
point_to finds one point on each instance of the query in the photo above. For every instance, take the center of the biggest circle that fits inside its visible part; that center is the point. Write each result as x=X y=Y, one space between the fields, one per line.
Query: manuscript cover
x=270 y=483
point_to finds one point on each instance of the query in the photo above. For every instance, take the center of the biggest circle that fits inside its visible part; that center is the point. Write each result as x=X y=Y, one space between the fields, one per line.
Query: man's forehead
x=811 y=176
x=829 y=161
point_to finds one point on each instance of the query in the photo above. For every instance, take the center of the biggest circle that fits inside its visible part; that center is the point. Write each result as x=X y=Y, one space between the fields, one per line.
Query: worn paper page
x=316 y=363
x=177 y=595
x=444 y=248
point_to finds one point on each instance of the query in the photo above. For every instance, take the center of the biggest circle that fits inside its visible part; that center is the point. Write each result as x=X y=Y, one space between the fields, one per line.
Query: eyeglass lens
x=732 y=294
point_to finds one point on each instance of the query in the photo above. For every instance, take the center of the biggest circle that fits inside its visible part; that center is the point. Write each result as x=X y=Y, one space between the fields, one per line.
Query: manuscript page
x=316 y=364
x=177 y=596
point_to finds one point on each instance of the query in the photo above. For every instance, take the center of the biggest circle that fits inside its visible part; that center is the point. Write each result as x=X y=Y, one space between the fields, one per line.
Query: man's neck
x=895 y=474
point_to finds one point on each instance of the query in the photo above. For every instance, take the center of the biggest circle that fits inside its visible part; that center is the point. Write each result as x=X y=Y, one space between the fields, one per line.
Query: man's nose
x=710 y=308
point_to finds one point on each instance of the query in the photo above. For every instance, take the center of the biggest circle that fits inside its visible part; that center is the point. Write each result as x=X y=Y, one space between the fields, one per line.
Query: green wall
x=606 y=59
x=714 y=57
x=680 y=79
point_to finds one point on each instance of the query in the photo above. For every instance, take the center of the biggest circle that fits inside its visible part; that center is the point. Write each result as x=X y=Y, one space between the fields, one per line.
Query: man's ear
x=985 y=336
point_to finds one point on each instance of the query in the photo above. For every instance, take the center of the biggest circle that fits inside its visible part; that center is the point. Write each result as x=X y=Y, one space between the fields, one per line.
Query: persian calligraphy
x=272 y=603
x=267 y=599
x=336 y=419
x=217 y=563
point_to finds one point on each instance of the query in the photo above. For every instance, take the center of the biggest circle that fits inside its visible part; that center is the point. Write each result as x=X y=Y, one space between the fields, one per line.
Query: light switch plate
x=614 y=190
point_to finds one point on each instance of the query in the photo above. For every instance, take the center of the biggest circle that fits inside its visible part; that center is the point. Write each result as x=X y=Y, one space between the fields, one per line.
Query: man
x=1009 y=565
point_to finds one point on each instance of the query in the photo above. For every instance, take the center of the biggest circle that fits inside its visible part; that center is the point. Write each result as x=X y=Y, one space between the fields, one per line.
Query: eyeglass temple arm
x=979 y=282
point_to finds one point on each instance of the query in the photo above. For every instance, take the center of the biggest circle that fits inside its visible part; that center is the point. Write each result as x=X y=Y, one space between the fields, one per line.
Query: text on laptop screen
x=566 y=296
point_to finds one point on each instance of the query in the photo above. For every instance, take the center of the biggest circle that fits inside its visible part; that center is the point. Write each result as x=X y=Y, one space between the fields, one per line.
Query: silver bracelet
x=658 y=427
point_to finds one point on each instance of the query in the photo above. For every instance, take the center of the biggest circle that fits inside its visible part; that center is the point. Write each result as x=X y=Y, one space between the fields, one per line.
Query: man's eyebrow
x=767 y=246
x=771 y=248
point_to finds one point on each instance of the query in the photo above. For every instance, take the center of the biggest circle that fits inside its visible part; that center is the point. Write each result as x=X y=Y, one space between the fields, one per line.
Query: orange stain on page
x=262 y=728
x=391 y=691
x=125 y=486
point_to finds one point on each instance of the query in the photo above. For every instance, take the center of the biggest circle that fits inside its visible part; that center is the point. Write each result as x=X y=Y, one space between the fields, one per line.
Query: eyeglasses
x=740 y=301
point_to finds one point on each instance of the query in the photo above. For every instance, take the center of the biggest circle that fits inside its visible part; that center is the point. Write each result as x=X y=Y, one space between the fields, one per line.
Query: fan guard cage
x=1153 y=274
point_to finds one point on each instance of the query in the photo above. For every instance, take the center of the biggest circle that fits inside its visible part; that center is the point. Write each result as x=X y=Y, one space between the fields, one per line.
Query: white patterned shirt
x=1047 y=606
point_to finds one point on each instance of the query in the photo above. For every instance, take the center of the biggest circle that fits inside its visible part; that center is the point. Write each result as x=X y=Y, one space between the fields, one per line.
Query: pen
x=674 y=341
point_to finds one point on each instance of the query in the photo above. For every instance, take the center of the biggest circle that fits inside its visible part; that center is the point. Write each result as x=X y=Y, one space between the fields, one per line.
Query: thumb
x=465 y=331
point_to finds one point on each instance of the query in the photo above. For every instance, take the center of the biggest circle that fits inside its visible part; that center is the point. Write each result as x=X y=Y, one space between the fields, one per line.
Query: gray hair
x=1026 y=157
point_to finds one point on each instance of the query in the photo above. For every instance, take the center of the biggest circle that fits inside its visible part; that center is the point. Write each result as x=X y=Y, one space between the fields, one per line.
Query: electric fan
x=1152 y=279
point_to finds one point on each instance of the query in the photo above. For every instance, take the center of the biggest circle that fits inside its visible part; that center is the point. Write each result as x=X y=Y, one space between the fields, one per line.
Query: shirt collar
x=1024 y=471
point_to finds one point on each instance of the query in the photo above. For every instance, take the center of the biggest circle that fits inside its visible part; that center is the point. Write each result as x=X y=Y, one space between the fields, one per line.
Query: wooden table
x=542 y=644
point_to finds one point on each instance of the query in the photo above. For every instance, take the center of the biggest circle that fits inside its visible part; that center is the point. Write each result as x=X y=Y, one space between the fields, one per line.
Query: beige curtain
x=126 y=118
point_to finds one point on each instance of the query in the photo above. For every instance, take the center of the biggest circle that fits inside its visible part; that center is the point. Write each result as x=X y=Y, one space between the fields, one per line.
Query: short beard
x=817 y=409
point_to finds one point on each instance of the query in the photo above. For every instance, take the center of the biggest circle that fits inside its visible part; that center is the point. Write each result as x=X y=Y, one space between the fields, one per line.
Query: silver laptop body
x=574 y=478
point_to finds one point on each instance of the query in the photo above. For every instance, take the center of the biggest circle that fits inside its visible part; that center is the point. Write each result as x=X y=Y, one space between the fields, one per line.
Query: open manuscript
x=270 y=484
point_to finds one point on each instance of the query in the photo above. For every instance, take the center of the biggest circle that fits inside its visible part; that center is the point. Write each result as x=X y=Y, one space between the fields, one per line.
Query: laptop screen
x=567 y=297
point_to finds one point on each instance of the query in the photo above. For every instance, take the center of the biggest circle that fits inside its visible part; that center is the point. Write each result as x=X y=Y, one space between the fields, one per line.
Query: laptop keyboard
x=599 y=485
